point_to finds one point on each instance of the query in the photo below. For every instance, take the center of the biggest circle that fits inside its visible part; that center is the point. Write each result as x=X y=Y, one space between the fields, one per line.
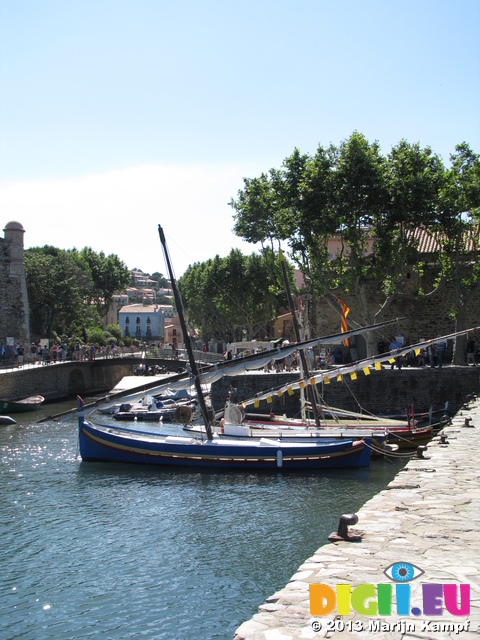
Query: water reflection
x=123 y=550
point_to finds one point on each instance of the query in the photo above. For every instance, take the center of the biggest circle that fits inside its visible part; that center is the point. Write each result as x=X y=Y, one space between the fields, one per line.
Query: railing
x=152 y=353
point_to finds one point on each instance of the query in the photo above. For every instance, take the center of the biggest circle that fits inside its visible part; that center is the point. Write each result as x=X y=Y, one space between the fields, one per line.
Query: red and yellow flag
x=343 y=322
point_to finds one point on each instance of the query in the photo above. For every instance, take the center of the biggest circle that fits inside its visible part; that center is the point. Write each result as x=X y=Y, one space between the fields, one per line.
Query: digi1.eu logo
x=391 y=599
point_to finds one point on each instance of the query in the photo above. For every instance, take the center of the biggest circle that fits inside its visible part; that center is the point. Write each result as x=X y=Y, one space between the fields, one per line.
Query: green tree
x=351 y=217
x=414 y=177
x=70 y=290
x=234 y=297
x=458 y=234
x=58 y=285
x=109 y=275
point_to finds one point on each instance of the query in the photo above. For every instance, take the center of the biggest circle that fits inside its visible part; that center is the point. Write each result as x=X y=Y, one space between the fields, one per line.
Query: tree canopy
x=234 y=297
x=69 y=290
x=349 y=215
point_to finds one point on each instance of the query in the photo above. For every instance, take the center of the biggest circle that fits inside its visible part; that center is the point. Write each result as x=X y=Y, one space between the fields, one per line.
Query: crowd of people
x=44 y=353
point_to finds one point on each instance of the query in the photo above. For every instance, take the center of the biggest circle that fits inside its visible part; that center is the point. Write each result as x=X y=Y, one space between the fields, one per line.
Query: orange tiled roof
x=429 y=242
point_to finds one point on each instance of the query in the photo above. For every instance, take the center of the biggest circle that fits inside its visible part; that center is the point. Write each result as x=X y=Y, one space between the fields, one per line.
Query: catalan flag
x=343 y=322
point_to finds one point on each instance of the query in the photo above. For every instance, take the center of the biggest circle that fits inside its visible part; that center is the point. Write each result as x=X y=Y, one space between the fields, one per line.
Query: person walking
x=441 y=348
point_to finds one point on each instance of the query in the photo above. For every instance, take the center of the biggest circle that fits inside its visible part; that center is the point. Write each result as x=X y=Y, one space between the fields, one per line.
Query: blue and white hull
x=108 y=443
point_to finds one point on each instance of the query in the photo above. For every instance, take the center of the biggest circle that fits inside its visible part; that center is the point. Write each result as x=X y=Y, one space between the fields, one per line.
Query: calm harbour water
x=122 y=551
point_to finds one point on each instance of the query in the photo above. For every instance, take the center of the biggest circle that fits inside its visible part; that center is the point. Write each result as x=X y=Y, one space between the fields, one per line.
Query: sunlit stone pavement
x=428 y=517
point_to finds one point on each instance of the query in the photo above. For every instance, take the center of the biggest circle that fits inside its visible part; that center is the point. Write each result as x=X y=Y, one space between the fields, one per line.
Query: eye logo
x=403 y=572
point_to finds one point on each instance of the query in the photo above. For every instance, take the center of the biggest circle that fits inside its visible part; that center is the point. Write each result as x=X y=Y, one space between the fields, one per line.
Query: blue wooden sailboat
x=115 y=444
x=108 y=443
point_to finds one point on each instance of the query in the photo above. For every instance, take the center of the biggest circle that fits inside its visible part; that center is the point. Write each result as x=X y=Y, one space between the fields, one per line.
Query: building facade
x=146 y=322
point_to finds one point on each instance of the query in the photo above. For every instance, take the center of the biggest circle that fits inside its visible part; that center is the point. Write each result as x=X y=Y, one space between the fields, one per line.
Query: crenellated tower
x=14 y=308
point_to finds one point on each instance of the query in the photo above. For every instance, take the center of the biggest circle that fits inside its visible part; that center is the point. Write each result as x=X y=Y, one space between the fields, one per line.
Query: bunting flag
x=352 y=369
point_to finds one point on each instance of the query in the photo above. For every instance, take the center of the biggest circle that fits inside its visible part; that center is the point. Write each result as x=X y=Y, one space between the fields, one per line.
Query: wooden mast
x=303 y=360
x=188 y=343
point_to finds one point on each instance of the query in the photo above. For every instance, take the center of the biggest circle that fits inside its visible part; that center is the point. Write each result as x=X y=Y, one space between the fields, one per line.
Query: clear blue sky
x=116 y=116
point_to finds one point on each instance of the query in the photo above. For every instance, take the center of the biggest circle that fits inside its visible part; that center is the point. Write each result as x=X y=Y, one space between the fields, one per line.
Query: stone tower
x=14 y=309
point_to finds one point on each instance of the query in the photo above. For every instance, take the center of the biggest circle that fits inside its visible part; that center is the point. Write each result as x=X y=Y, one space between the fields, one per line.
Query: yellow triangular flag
x=378 y=366
x=339 y=378
x=326 y=380
x=256 y=403
x=290 y=391
x=366 y=371
x=353 y=375
x=269 y=399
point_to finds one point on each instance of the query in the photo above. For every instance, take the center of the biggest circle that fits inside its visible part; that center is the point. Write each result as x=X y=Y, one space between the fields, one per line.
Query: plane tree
x=235 y=297
x=347 y=215
x=414 y=178
x=457 y=235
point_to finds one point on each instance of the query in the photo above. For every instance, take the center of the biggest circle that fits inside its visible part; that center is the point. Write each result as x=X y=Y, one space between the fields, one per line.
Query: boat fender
x=222 y=422
x=279 y=459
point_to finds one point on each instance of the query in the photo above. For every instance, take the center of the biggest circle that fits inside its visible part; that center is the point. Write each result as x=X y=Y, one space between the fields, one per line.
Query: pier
x=428 y=518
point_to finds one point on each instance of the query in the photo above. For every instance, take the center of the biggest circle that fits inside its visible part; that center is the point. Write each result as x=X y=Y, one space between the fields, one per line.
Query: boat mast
x=303 y=360
x=188 y=343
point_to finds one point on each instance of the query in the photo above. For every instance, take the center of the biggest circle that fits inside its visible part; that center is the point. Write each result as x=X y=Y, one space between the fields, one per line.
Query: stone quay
x=427 y=518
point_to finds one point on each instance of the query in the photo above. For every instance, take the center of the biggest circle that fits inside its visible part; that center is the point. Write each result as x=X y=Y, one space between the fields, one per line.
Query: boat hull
x=104 y=443
x=21 y=406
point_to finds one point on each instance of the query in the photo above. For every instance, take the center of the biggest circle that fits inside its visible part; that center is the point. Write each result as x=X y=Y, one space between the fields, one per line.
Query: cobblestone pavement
x=429 y=517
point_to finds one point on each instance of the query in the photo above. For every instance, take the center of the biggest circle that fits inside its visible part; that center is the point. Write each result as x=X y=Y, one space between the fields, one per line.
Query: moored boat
x=99 y=442
x=104 y=443
x=20 y=406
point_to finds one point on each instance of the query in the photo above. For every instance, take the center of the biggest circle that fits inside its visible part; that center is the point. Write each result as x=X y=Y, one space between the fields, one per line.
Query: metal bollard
x=342 y=531
x=421 y=450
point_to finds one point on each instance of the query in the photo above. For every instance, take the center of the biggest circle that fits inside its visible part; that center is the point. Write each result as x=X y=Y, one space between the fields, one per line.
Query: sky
x=117 y=116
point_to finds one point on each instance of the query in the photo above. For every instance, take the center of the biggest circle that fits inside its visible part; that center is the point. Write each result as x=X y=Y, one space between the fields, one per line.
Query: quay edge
x=427 y=516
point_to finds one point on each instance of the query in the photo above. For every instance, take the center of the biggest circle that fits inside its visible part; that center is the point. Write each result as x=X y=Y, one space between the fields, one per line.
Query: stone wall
x=64 y=380
x=383 y=392
x=14 y=310
x=422 y=317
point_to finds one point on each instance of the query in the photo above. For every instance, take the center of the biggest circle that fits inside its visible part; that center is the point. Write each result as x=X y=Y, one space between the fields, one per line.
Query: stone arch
x=76 y=382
